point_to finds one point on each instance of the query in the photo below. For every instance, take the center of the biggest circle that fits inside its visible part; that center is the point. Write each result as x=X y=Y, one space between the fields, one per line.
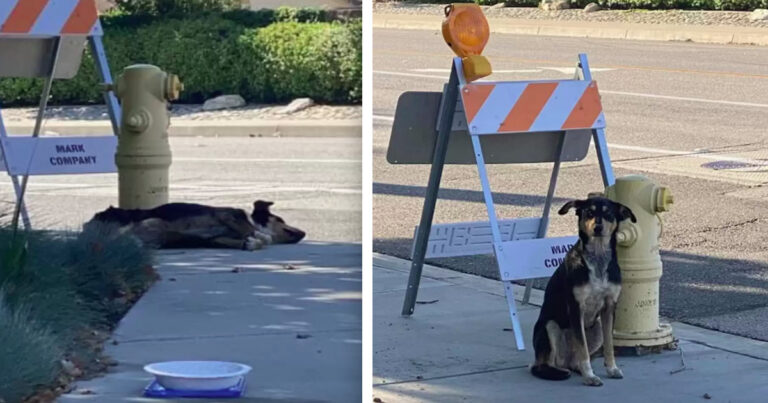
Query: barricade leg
x=496 y=234
x=450 y=97
x=100 y=57
x=601 y=147
x=14 y=179
x=544 y=224
x=38 y=126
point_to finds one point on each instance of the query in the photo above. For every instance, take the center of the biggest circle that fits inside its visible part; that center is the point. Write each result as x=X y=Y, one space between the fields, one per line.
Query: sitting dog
x=576 y=318
x=186 y=225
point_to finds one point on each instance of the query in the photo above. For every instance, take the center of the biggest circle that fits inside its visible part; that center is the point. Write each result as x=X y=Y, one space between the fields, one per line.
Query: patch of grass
x=59 y=294
x=29 y=354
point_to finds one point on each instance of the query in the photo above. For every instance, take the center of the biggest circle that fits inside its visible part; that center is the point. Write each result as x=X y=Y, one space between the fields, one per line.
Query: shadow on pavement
x=511 y=199
x=694 y=288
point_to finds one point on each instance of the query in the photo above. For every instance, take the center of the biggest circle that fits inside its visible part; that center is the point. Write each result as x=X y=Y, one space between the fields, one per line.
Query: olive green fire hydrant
x=637 y=327
x=143 y=155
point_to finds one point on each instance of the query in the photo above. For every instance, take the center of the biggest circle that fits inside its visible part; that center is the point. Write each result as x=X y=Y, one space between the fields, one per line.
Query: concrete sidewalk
x=209 y=128
x=203 y=310
x=456 y=348
x=722 y=34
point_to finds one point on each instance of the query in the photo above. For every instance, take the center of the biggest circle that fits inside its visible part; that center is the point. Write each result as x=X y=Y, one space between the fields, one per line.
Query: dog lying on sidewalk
x=186 y=225
x=576 y=318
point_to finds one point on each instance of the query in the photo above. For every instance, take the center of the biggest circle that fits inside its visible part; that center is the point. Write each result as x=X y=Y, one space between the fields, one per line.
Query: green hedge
x=167 y=7
x=240 y=52
x=733 y=5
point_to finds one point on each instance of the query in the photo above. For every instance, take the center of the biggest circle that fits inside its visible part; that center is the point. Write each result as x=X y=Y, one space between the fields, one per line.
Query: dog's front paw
x=266 y=239
x=252 y=244
x=592 y=381
x=614 y=373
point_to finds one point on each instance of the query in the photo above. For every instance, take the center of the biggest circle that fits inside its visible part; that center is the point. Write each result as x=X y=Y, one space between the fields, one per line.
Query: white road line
x=446 y=71
x=708 y=101
x=384 y=118
x=38 y=187
x=395 y=73
x=564 y=70
x=572 y=69
x=631 y=94
x=287 y=160
x=693 y=154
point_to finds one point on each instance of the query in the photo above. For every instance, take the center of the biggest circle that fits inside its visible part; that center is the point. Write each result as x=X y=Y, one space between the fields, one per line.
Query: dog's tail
x=544 y=371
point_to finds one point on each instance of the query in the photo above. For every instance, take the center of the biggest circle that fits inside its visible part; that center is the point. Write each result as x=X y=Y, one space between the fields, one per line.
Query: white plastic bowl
x=197 y=375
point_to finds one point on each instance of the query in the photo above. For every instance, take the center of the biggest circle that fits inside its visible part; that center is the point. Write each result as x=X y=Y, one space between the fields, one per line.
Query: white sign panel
x=533 y=258
x=475 y=238
x=60 y=155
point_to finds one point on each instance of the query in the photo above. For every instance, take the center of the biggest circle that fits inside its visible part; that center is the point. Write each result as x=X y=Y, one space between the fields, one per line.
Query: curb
x=583 y=29
x=221 y=128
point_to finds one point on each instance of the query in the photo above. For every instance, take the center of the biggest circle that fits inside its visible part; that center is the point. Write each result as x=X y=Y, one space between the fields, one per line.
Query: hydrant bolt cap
x=173 y=87
x=664 y=199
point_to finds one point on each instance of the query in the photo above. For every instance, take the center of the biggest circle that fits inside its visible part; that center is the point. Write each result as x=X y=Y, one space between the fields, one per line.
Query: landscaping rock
x=70 y=368
x=498 y=5
x=591 y=8
x=223 y=102
x=760 y=14
x=296 y=105
x=554 y=5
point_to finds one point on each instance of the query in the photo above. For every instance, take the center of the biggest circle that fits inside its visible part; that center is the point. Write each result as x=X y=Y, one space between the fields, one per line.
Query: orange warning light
x=465 y=29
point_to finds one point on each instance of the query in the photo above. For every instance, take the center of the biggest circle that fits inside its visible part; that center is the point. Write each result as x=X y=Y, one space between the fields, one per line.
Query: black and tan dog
x=576 y=318
x=186 y=225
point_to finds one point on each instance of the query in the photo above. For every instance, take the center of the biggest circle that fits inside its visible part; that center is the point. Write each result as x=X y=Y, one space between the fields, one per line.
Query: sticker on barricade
x=60 y=155
x=534 y=258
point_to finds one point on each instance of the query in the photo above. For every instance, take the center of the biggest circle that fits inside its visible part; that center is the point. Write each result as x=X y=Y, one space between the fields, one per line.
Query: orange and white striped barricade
x=46 y=39
x=505 y=122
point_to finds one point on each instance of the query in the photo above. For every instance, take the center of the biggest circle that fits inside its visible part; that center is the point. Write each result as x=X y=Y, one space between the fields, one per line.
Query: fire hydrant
x=143 y=155
x=637 y=326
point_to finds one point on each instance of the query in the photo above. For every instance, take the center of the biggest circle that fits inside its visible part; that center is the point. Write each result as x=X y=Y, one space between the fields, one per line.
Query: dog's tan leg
x=581 y=350
x=607 y=322
x=553 y=333
x=232 y=243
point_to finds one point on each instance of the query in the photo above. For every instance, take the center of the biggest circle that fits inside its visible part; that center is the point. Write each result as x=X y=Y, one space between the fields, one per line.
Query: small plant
x=29 y=354
x=59 y=293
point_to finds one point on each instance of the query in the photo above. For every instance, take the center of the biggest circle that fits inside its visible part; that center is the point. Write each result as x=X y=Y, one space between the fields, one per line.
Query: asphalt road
x=672 y=110
x=314 y=182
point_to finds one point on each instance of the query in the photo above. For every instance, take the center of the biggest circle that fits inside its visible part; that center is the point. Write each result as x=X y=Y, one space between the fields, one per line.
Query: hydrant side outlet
x=143 y=156
x=637 y=312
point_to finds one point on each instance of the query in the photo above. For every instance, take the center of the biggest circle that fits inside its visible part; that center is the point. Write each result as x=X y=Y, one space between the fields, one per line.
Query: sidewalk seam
x=487 y=371
x=230 y=336
x=705 y=344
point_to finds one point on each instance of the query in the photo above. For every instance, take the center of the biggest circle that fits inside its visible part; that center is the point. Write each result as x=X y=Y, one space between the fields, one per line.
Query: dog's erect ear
x=567 y=206
x=261 y=205
x=625 y=213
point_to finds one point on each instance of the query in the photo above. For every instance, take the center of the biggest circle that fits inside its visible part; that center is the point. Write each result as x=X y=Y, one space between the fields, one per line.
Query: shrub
x=217 y=53
x=322 y=61
x=309 y=14
x=175 y=7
